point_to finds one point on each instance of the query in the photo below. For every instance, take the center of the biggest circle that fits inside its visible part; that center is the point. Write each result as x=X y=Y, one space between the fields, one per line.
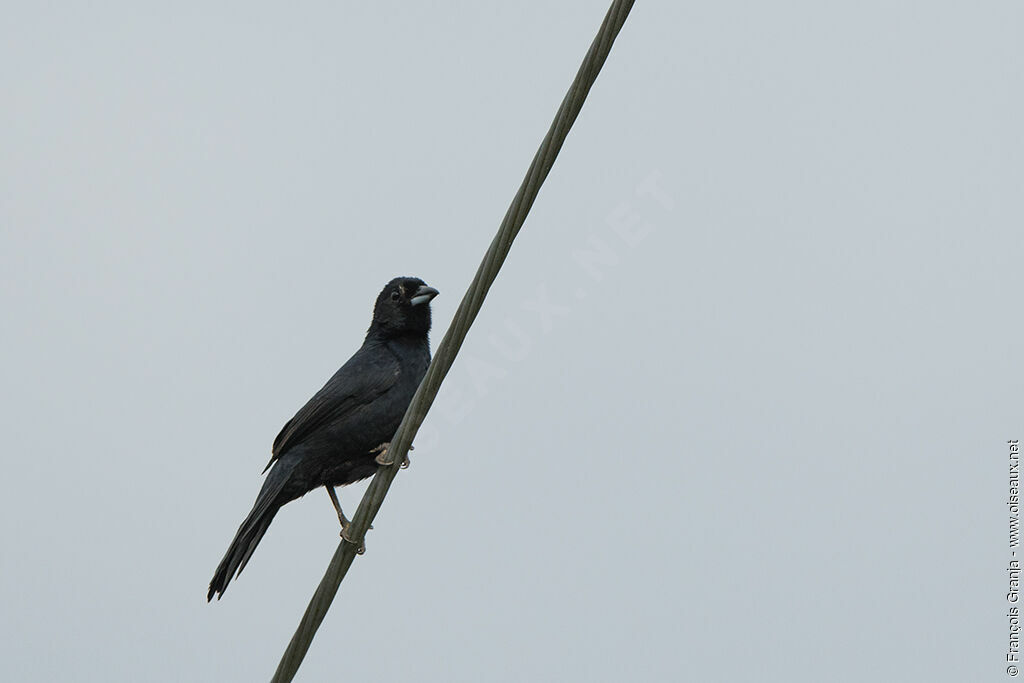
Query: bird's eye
x=395 y=295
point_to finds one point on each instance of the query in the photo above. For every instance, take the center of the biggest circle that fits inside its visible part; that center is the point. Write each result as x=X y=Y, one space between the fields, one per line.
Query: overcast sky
x=735 y=409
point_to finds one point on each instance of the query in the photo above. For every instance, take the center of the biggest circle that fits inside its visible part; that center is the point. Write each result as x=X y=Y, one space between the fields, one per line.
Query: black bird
x=340 y=436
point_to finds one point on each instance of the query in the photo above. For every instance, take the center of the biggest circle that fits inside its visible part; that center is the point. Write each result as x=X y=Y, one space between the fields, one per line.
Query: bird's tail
x=268 y=502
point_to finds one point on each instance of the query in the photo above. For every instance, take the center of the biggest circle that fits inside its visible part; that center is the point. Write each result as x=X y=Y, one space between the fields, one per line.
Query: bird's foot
x=344 y=535
x=382 y=452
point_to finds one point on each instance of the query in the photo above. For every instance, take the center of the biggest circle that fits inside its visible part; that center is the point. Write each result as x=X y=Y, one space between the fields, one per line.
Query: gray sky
x=735 y=409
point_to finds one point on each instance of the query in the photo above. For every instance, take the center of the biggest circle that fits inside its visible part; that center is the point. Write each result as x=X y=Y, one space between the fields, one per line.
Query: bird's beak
x=423 y=295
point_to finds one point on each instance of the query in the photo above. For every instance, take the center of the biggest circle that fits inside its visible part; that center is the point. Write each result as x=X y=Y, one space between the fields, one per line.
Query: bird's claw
x=344 y=535
x=382 y=451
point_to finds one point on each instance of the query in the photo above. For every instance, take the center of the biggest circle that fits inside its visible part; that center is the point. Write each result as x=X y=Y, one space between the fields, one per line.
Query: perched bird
x=341 y=434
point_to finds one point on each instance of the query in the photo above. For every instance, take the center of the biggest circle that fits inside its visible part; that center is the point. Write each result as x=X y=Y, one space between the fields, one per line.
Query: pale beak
x=423 y=295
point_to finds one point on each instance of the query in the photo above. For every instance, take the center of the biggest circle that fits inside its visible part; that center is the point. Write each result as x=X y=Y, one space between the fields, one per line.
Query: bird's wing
x=359 y=381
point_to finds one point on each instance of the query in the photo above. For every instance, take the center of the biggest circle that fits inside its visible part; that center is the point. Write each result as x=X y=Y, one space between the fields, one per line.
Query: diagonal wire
x=453 y=338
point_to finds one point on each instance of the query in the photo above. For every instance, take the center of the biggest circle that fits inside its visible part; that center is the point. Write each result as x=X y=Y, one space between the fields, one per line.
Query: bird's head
x=403 y=308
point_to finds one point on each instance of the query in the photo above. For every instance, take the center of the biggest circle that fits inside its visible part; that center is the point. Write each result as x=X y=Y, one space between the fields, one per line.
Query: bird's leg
x=345 y=523
x=382 y=451
x=337 y=506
